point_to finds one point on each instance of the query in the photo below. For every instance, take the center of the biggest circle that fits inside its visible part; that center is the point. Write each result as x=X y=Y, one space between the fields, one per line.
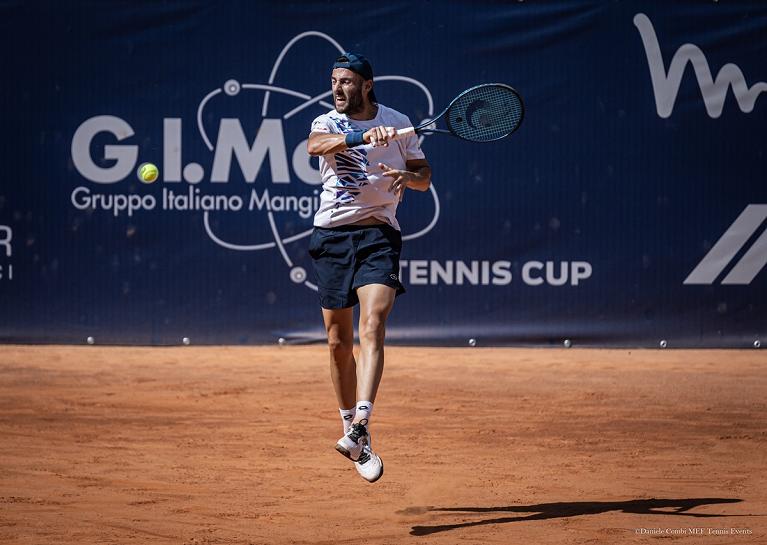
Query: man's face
x=349 y=90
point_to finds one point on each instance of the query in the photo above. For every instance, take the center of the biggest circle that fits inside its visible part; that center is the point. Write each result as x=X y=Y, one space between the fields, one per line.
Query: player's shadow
x=543 y=511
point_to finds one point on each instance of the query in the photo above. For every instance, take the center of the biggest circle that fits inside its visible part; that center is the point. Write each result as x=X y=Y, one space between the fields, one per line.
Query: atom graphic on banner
x=193 y=172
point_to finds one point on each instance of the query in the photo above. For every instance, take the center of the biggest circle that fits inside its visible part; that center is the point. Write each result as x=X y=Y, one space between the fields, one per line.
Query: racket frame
x=421 y=128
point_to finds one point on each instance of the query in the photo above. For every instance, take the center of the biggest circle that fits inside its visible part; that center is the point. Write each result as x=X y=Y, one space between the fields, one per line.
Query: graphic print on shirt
x=351 y=168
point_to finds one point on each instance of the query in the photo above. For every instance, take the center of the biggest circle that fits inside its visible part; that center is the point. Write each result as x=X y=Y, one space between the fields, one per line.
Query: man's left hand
x=401 y=178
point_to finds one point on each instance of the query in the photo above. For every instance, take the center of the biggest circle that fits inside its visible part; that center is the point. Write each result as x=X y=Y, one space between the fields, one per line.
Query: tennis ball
x=148 y=173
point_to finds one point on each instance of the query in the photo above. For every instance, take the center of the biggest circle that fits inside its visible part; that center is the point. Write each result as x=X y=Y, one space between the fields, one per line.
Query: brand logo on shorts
x=393 y=276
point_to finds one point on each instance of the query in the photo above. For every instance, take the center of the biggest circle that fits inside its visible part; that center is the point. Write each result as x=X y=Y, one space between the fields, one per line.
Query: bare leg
x=339 y=325
x=376 y=302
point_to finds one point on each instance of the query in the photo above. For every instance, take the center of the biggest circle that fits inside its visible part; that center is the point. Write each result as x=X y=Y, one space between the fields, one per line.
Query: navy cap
x=356 y=63
x=359 y=64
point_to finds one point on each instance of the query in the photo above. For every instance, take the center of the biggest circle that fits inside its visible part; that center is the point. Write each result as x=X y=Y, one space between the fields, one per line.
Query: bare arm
x=422 y=179
x=416 y=176
x=321 y=143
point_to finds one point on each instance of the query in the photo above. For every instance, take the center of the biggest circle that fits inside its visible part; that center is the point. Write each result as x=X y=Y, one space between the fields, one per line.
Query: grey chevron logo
x=728 y=246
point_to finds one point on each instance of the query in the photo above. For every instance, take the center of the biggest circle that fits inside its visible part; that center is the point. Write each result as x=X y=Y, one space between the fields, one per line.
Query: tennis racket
x=483 y=113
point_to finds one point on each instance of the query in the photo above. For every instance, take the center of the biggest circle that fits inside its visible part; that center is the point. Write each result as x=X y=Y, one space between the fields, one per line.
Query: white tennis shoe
x=350 y=445
x=369 y=465
x=356 y=445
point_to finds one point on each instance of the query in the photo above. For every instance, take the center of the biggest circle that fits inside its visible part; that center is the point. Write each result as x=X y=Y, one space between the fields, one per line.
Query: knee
x=372 y=329
x=340 y=349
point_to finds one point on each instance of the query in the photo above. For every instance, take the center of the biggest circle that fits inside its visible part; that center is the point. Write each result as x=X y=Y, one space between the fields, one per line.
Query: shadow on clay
x=543 y=511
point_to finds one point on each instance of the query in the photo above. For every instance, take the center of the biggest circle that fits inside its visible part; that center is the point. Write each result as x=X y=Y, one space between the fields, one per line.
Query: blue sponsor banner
x=630 y=206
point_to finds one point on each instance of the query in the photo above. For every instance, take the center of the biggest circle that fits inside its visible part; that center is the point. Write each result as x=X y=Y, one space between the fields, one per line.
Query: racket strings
x=485 y=113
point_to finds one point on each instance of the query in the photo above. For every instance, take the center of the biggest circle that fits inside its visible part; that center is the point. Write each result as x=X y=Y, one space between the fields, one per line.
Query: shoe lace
x=364 y=457
x=357 y=431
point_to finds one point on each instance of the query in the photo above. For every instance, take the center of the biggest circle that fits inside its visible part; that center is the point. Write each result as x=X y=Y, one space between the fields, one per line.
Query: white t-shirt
x=352 y=186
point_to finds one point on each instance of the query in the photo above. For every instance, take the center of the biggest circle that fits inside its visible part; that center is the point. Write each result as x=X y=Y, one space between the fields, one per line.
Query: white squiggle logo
x=714 y=91
x=233 y=87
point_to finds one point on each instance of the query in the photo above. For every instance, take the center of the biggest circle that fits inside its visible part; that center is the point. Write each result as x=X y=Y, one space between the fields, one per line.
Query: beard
x=353 y=104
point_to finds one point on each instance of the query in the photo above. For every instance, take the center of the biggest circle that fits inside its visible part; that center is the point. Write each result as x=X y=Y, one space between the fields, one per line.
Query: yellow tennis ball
x=148 y=173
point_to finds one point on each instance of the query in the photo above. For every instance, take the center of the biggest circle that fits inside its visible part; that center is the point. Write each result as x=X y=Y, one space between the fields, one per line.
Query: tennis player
x=356 y=242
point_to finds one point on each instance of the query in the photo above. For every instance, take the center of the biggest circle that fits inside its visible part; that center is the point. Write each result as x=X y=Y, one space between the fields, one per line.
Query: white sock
x=364 y=411
x=347 y=415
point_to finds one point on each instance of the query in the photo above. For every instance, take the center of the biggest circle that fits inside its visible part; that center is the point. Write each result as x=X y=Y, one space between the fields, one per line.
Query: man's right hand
x=379 y=136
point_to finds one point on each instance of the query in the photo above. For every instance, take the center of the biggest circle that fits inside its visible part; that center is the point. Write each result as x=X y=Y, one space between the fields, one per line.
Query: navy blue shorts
x=351 y=256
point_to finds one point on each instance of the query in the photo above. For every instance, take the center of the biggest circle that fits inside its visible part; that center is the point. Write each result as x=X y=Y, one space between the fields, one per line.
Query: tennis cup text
x=496 y=273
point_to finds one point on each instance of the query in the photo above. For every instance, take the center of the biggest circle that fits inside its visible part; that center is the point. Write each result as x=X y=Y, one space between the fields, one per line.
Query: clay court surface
x=235 y=445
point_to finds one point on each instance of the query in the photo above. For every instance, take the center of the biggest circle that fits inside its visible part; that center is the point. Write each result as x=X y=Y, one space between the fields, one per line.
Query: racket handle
x=404 y=133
